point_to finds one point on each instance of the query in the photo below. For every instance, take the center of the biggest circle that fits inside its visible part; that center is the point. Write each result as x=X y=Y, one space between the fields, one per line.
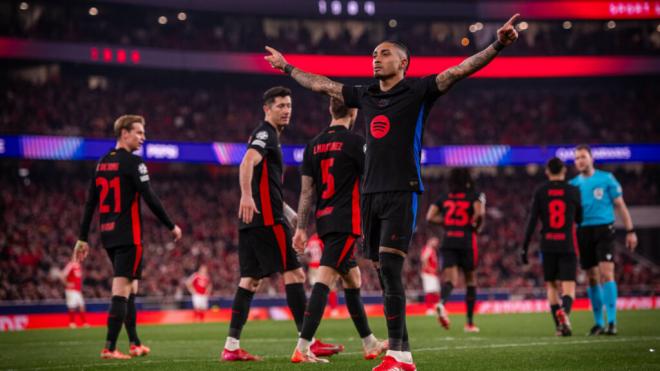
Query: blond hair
x=125 y=122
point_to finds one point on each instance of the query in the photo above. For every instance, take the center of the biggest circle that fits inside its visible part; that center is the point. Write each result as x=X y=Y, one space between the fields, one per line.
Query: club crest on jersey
x=263 y=135
x=379 y=126
x=598 y=193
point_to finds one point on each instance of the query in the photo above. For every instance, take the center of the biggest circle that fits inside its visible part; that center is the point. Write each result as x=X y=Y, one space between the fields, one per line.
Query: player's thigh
x=450 y=258
x=605 y=239
x=339 y=252
x=370 y=227
x=587 y=248
x=288 y=257
x=200 y=302
x=467 y=259
x=398 y=218
x=567 y=267
x=126 y=261
x=550 y=262
x=248 y=246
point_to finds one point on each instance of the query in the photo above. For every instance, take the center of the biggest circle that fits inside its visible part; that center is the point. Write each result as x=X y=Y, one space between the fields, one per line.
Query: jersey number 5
x=327 y=178
x=105 y=187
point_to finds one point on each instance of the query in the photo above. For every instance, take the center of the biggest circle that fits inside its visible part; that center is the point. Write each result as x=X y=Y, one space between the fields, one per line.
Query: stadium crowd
x=41 y=207
x=178 y=109
x=204 y=30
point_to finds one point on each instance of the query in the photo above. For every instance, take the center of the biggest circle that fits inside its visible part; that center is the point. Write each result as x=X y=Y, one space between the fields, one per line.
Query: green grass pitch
x=506 y=342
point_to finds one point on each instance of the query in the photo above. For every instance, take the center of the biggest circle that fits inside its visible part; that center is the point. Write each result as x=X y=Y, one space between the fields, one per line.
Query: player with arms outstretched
x=395 y=110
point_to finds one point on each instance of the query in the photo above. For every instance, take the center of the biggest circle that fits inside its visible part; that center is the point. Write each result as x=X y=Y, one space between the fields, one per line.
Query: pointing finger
x=513 y=19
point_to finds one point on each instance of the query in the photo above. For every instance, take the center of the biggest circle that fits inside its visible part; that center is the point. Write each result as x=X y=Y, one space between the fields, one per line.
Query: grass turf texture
x=511 y=342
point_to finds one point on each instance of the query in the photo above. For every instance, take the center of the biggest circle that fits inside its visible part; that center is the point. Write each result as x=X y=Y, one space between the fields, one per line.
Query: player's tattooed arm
x=314 y=82
x=506 y=35
x=306 y=201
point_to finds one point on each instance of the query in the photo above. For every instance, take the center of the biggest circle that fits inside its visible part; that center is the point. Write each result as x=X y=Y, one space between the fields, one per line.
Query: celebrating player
x=430 y=283
x=199 y=285
x=558 y=206
x=121 y=179
x=461 y=213
x=396 y=109
x=332 y=166
x=72 y=278
x=601 y=196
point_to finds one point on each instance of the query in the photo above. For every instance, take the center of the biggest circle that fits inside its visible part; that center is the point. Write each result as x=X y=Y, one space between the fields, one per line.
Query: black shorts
x=596 y=244
x=466 y=259
x=560 y=266
x=388 y=219
x=339 y=252
x=263 y=251
x=126 y=261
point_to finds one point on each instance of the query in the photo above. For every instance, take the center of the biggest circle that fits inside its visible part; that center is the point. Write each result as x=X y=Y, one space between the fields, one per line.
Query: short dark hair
x=460 y=180
x=338 y=109
x=555 y=165
x=403 y=48
x=584 y=147
x=274 y=92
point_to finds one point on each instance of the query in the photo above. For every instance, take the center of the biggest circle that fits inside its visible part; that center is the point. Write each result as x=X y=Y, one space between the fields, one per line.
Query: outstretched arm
x=317 y=83
x=506 y=35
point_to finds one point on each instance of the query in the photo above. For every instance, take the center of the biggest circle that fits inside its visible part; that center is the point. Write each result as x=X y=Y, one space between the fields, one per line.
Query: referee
x=601 y=196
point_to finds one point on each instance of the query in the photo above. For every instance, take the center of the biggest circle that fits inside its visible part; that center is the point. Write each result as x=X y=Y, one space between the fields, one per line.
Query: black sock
x=445 y=291
x=131 y=322
x=470 y=301
x=296 y=300
x=567 y=304
x=356 y=309
x=405 y=344
x=380 y=280
x=240 y=309
x=553 y=309
x=394 y=299
x=314 y=312
x=116 y=317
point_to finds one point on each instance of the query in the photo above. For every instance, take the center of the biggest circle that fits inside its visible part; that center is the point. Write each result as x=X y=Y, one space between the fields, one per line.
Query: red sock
x=201 y=315
x=431 y=299
x=72 y=316
x=82 y=316
x=332 y=300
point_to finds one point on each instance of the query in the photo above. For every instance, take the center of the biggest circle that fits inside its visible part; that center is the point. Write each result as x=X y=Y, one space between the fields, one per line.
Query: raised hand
x=276 y=59
x=246 y=209
x=507 y=34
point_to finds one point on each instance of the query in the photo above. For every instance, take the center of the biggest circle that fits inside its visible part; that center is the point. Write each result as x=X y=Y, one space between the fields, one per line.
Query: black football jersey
x=395 y=122
x=266 y=178
x=457 y=210
x=120 y=180
x=335 y=160
x=559 y=207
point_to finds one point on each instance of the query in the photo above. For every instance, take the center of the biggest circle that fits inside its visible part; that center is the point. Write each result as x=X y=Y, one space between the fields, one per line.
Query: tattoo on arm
x=452 y=75
x=318 y=83
x=305 y=203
